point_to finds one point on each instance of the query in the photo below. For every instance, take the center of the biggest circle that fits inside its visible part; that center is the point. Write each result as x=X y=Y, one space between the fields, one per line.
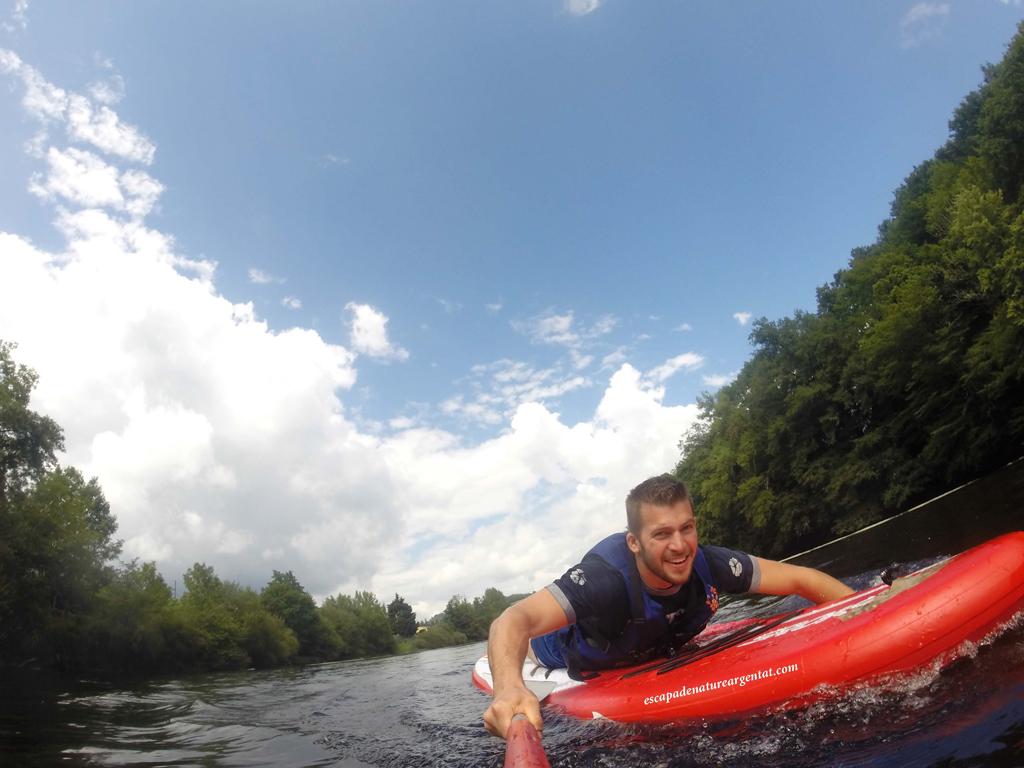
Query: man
x=634 y=596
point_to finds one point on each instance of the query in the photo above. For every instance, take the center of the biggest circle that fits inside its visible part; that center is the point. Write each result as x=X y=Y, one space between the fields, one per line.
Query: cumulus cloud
x=534 y=488
x=923 y=22
x=369 y=335
x=494 y=307
x=217 y=439
x=290 y=302
x=741 y=317
x=683 y=327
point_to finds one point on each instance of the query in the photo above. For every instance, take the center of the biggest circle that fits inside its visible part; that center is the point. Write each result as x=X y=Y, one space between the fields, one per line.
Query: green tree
x=286 y=598
x=361 y=624
x=128 y=628
x=489 y=606
x=459 y=613
x=56 y=530
x=401 y=617
x=908 y=378
x=28 y=440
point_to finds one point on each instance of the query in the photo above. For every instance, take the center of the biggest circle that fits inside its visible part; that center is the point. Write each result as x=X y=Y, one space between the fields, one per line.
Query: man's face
x=667 y=544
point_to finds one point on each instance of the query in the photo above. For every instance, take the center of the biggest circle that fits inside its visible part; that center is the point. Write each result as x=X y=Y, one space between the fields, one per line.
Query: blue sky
x=444 y=223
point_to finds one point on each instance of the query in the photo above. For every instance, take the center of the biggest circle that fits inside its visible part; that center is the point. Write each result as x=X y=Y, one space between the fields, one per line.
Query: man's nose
x=678 y=541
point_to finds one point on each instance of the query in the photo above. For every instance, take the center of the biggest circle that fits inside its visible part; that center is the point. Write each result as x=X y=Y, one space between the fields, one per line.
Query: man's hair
x=661 y=490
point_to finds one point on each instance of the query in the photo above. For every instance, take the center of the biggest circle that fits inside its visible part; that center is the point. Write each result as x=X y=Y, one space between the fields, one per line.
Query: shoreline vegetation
x=908 y=379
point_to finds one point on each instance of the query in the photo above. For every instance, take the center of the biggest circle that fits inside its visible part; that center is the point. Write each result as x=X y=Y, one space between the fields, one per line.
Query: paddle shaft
x=522 y=745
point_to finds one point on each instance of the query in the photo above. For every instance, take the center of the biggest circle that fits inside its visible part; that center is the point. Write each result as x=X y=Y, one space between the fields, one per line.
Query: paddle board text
x=740 y=680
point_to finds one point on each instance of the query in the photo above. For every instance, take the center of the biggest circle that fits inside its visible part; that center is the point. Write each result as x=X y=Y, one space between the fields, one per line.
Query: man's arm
x=784 y=579
x=538 y=614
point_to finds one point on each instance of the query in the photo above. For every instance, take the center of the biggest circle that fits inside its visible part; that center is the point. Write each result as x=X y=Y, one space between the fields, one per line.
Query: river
x=420 y=710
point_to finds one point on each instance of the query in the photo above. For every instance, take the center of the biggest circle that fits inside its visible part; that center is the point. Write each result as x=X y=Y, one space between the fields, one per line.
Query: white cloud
x=290 y=302
x=742 y=317
x=684 y=327
x=101 y=127
x=498 y=388
x=109 y=91
x=922 y=23
x=262 y=277
x=84 y=121
x=719 y=379
x=184 y=403
x=84 y=179
x=218 y=440
x=662 y=373
x=581 y=7
x=550 y=328
x=330 y=159
x=494 y=308
x=561 y=330
x=18 y=18
x=369 y=334
x=614 y=359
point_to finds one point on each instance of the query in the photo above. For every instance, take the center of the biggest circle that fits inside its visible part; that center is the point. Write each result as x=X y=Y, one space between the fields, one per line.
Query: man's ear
x=633 y=543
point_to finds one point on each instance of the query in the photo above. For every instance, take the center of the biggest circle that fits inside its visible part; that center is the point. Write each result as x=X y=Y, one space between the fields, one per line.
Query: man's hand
x=536 y=615
x=508 y=703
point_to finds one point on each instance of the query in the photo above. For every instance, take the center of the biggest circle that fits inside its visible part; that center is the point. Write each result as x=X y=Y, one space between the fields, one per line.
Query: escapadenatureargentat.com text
x=739 y=680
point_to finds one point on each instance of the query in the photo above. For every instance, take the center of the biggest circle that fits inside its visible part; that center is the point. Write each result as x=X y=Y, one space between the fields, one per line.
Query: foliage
x=460 y=614
x=28 y=440
x=401 y=617
x=56 y=530
x=439 y=635
x=474 y=619
x=285 y=597
x=361 y=624
x=908 y=378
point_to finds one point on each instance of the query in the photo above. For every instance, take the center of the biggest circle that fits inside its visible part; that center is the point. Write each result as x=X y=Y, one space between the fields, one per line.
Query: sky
x=406 y=296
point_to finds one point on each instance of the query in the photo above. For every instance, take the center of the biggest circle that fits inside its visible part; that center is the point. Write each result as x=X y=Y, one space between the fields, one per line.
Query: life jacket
x=648 y=633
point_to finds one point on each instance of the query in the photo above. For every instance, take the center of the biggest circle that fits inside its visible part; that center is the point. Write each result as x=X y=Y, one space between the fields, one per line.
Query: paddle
x=522 y=745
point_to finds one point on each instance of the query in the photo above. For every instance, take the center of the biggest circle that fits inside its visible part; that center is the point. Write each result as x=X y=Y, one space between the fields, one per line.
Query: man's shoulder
x=591 y=583
x=733 y=570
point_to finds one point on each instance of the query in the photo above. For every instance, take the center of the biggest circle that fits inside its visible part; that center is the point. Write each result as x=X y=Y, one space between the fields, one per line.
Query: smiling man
x=635 y=596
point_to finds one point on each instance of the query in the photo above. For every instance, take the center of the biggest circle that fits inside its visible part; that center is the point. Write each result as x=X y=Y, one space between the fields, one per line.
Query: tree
x=401 y=617
x=286 y=598
x=28 y=440
x=56 y=529
x=361 y=624
x=489 y=606
x=460 y=615
x=908 y=378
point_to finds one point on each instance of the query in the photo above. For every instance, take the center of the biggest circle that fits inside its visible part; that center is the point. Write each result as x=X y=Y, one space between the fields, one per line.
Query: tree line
x=909 y=377
x=66 y=602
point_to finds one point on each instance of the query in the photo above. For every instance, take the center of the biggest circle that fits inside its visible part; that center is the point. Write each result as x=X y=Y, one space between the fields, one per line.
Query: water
x=421 y=710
